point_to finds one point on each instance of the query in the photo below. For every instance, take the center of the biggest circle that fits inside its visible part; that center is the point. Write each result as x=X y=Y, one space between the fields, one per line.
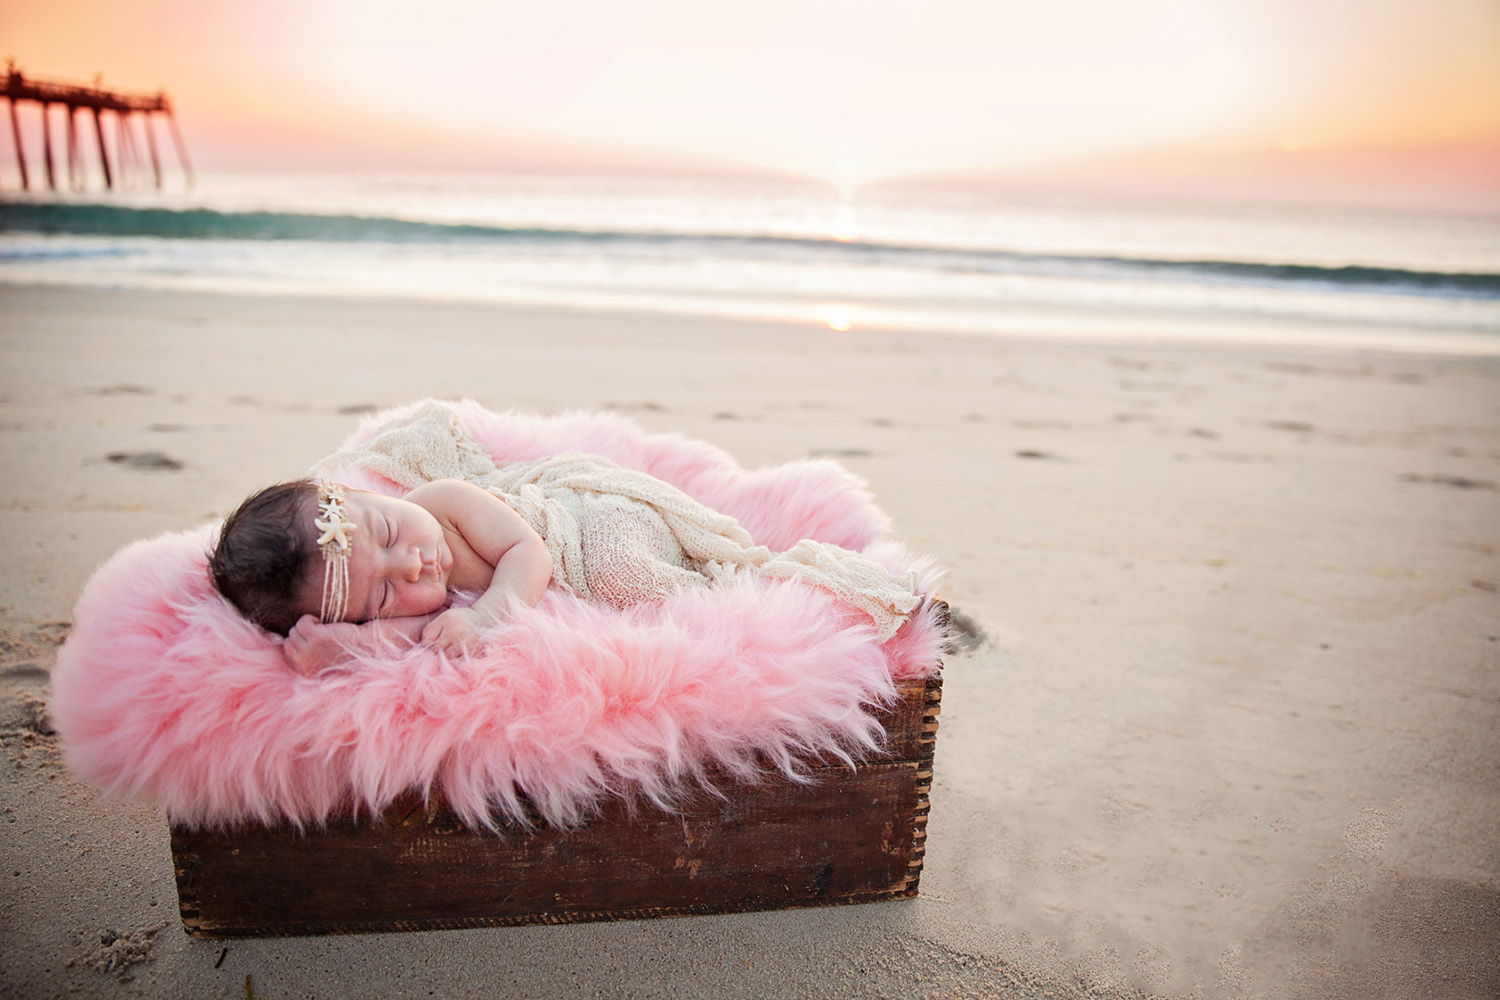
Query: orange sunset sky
x=1287 y=91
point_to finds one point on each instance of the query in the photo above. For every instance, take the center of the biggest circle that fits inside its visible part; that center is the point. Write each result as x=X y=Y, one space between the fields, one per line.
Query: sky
x=851 y=90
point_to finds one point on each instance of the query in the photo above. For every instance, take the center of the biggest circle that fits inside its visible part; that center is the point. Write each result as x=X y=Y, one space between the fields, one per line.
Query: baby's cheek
x=428 y=598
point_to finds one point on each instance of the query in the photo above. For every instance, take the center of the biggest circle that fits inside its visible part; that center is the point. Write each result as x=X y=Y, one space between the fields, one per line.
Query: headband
x=334 y=529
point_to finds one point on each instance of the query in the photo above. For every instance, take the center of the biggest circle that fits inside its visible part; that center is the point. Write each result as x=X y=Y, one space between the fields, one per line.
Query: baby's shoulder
x=442 y=491
x=456 y=499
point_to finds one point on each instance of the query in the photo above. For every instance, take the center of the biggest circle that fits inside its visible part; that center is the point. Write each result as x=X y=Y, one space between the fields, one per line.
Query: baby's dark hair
x=264 y=553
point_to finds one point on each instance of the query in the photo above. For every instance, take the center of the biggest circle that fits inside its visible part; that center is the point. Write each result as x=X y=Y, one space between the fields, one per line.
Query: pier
x=73 y=98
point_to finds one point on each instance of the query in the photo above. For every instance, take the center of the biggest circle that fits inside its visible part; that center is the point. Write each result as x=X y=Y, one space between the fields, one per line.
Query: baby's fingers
x=451 y=641
x=455 y=641
x=296 y=654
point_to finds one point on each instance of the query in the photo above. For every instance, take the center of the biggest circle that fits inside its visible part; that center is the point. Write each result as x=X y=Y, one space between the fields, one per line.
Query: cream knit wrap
x=566 y=497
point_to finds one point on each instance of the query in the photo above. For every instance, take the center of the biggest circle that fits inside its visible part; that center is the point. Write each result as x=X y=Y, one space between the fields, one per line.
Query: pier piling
x=16 y=87
x=47 y=145
x=75 y=166
x=15 y=132
x=109 y=179
x=151 y=145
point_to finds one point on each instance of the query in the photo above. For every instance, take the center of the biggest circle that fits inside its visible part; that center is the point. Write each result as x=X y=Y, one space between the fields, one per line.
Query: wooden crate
x=849 y=837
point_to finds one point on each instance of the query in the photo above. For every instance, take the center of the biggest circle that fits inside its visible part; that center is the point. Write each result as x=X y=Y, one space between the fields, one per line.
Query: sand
x=1229 y=726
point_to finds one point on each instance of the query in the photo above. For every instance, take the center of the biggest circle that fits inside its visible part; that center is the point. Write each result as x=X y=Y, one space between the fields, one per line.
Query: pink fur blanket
x=163 y=691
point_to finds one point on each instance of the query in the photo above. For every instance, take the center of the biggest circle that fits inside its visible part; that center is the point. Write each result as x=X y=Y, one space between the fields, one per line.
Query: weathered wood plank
x=911 y=723
x=850 y=836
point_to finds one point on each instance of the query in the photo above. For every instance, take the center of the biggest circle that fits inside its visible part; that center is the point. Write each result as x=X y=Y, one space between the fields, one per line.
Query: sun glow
x=848 y=164
x=845 y=224
x=838 y=318
x=849 y=92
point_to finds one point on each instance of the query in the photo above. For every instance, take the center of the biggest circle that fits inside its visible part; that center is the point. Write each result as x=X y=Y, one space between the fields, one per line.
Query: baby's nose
x=413 y=566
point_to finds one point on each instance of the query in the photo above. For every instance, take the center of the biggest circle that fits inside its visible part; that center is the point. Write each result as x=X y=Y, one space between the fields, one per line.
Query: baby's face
x=399 y=559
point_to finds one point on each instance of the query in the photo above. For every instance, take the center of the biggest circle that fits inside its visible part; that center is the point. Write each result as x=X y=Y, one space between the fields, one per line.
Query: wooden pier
x=74 y=98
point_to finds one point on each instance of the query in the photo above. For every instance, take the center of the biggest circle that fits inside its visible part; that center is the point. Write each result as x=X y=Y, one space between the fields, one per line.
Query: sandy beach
x=1227 y=722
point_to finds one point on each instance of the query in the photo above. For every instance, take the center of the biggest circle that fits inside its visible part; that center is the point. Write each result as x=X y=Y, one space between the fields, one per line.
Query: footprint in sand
x=117 y=951
x=1453 y=482
x=148 y=461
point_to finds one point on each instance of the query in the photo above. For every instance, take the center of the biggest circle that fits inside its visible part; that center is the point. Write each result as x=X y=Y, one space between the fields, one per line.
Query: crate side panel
x=849 y=835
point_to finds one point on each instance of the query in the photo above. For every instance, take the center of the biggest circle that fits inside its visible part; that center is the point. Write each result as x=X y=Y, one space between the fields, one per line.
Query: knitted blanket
x=163 y=692
x=559 y=496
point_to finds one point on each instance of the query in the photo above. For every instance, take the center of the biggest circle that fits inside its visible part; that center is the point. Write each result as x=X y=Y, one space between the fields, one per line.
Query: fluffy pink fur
x=163 y=691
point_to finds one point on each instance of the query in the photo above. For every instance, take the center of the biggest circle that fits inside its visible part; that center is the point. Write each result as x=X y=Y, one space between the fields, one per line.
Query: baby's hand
x=311 y=645
x=455 y=631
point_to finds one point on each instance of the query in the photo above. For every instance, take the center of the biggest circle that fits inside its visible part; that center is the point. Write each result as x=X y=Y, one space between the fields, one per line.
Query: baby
x=333 y=568
x=330 y=567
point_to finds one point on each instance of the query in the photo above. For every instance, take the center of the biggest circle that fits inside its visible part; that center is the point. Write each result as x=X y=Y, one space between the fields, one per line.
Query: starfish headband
x=334 y=531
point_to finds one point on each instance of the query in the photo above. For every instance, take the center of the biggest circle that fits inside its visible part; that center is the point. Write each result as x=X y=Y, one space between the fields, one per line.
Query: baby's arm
x=513 y=564
x=311 y=645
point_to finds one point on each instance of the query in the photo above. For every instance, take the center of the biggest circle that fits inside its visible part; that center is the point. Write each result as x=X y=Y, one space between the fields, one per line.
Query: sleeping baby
x=315 y=562
x=334 y=569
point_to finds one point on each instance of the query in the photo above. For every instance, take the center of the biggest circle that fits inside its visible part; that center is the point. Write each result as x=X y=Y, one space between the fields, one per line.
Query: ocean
x=808 y=253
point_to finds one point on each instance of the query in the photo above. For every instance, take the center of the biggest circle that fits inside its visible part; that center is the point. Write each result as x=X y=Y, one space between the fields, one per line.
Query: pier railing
x=126 y=108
